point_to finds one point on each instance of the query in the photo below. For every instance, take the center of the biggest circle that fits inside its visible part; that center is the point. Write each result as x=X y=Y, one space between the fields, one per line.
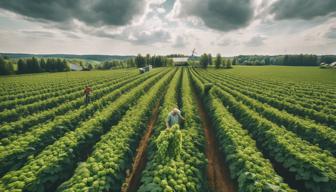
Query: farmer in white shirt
x=174 y=117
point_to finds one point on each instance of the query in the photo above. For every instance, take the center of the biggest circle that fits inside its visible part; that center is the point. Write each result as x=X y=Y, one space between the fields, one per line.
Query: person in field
x=174 y=117
x=87 y=92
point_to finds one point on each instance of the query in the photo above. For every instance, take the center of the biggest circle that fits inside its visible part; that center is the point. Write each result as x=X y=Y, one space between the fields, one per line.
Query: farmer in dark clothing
x=174 y=117
x=87 y=92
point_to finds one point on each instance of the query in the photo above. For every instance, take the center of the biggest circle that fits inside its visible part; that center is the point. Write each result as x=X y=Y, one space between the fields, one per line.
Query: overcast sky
x=229 y=27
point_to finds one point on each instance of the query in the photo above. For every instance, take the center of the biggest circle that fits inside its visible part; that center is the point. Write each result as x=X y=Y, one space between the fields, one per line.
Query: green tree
x=43 y=65
x=59 y=65
x=234 y=61
x=6 y=68
x=218 y=61
x=36 y=65
x=139 y=61
x=204 y=61
x=210 y=59
x=148 y=57
x=130 y=62
x=65 y=65
x=224 y=63
x=90 y=67
x=49 y=65
x=228 y=64
x=21 y=66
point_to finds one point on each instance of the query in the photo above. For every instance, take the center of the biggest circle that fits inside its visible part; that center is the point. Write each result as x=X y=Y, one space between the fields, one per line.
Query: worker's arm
x=181 y=117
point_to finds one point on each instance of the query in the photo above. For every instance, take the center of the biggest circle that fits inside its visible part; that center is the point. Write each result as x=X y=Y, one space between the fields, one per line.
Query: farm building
x=75 y=67
x=180 y=61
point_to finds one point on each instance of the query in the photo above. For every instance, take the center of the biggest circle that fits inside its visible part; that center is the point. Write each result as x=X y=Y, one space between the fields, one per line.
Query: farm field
x=285 y=73
x=246 y=129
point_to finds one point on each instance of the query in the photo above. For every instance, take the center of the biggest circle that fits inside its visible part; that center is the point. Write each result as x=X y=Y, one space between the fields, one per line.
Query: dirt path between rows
x=132 y=180
x=218 y=173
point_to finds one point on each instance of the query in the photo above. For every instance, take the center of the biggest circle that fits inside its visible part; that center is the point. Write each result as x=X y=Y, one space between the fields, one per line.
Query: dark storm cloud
x=302 y=9
x=96 y=13
x=223 y=15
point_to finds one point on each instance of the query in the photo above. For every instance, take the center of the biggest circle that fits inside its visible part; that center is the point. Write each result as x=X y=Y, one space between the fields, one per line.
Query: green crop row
x=328 y=119
x=14 y=114
x=149 y=180
x=323 y=136
x=54 y=164
x=106 y=167
x=313 y=95
x=32 y=142
x=291 y=96
x=59 y=91
x=10 y=131
x=247 y=165
x=309 y=163
x=308 y=88
x=185 y=173
x=30 y=85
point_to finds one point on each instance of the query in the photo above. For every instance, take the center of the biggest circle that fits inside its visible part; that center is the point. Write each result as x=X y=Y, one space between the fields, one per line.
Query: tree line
x=32 y=65
x=286 y=60
x=116 y=64
x=138 y=61
x=6 y=67
x=299 y=60
x=218 y=62
x=155 y=61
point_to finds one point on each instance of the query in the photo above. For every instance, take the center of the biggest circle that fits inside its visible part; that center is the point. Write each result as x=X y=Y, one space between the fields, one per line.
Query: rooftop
x=180 y=59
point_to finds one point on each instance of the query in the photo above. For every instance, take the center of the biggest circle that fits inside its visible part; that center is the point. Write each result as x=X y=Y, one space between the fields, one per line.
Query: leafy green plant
x=187 y=172
x=169 y=143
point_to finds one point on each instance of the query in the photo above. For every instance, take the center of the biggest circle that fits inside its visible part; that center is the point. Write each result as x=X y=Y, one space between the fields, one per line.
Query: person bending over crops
x=87 y=92
x=174 y=117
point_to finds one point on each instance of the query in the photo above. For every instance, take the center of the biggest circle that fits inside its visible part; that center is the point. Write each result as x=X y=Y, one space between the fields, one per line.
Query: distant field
x=286 y=73
x=262 y=129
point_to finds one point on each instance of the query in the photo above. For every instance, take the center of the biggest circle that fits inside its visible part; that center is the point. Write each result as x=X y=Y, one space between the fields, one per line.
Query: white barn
x=180 y=61
x=75 y=67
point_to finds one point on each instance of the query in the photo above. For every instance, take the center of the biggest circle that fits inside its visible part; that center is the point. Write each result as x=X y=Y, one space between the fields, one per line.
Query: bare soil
x=132 y=180
x=218 y=173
